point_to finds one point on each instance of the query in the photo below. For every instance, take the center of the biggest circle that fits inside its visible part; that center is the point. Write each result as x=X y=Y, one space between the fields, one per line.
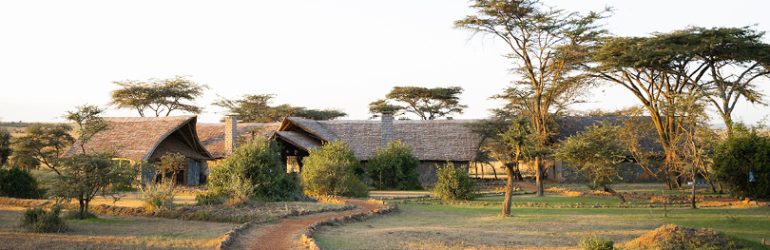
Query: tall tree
x=426 y=103
x=549 y=48
x=161 y=96
x=737 y=59
x=257 y=108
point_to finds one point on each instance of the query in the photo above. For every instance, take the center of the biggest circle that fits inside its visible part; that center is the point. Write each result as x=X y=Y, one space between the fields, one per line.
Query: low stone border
x=229 y=237
x=307 y=240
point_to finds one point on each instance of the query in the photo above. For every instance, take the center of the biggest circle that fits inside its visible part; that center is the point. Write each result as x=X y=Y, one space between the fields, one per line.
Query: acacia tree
x=257 y=108
x=426 y=103
x=663 y=72
x=89 y=123
x=549 y=48
x=596 y=152
x=161 y=96
x=737 y=59
x=516 y=138
x=44 y=145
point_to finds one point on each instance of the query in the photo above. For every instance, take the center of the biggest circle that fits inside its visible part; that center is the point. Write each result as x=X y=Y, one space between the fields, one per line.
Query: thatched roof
x=138 y=138
x=436 y=140
x=212 y=135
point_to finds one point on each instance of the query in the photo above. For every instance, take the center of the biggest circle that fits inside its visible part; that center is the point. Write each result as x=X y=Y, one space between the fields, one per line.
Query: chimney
x=231 y=134
x=386 y=130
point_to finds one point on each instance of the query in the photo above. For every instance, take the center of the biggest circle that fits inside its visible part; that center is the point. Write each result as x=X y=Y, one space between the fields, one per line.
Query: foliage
x=330 y=170
x=170 y=164
x=5 y=146
x=158 y=197
x=394 y=167
x=426 y=103
x=257 y=108
x=84 y=176
x=454 y=184
x=40 y=221
x=742 y=164
x=18 y=183
x=89 y=123
x=210 y=198
x=254 y=171
x=596 y=152
x=161 y=96
x=595 y=243
x=44 y=145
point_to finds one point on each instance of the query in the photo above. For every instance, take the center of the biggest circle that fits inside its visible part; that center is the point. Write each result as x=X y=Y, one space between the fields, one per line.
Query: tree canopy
x=161 y=96
x=257 y=108
x=426 y=103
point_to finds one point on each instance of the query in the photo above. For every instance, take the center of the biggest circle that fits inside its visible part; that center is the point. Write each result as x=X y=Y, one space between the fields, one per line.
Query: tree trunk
x=539 y=177
x=81 y=208
x=694 y=185
x=476 y=171
x=482 y=172
x=494 y=171
x=508 y=191
x=608 y=189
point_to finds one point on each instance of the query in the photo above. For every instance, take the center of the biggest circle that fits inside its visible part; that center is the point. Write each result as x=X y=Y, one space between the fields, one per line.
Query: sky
x=343 y=54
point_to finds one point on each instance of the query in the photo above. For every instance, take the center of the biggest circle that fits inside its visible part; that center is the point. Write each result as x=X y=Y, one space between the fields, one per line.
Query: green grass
x=477 y=224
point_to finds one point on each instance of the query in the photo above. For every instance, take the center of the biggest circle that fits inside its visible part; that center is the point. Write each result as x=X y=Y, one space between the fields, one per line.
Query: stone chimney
x=386 y=130
x=231 y=133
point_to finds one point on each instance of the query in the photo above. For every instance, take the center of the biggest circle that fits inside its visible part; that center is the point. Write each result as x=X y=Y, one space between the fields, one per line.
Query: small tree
x=254 y=171
x=394 y=167
x=5 y=146
x=18 y=183
x=596 y=152
x=516 y=140
x=84 y=176
x=169 y=166
x=454 y=183
x=742 y=164
x=330 y=170
x=426 y=103
x=44 y=145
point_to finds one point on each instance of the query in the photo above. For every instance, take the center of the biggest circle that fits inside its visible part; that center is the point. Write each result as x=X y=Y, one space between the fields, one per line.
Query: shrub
x=254 y=171
x=330 y=170
x=454 y=184
x=210 y=198
x=18 y=183
x=158 y=197
x=40 y=221
x=596 y=243
x=394 y=167
x=742 y=164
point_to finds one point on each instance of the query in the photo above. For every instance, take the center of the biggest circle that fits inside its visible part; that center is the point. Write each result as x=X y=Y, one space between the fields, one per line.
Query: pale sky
x=55 y=55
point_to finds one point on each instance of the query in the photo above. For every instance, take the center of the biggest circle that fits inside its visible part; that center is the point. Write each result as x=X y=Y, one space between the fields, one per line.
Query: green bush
x=330 y=170
x=18 y=183
x=394 y=167
x=742 y=164
x=254 y=171
x=210 y=198
x=454 y=184
x=596 y=243
x=40 y=221
x=158 y=197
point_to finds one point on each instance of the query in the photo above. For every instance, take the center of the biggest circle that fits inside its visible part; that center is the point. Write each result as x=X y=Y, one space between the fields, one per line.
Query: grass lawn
x=113 y=233
x=476 y=225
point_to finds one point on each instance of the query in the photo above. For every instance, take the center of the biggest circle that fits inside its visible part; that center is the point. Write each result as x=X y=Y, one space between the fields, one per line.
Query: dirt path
x=285 y=234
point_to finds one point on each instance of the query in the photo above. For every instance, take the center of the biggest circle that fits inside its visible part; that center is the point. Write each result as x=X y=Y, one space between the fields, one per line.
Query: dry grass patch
x=113 y=233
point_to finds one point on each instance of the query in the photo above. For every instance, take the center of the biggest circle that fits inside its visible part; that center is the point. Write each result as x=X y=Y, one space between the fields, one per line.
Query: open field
x=430 y=224
x=114 y=233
